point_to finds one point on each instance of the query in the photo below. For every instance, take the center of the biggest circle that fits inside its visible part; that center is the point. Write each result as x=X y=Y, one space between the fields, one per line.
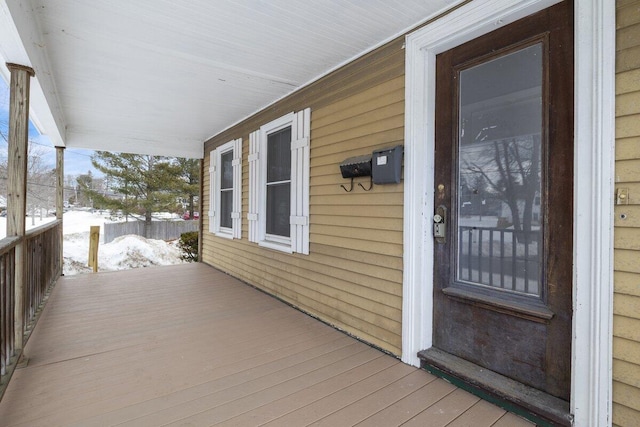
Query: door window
x=498 y=239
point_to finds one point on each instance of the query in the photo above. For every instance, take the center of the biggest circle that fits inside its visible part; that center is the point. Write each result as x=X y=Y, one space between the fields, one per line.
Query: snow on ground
x=123 y=253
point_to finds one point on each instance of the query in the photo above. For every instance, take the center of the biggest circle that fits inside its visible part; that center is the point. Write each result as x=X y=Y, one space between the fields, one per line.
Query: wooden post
x=60 y=197
x=17 y=182
x=94 y=239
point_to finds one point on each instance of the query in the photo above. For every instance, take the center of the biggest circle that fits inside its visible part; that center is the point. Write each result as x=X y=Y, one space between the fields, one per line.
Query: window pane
x=499 y=173
x=226 y=170
x=279 y=156
x=226 y=200
x=278 y=209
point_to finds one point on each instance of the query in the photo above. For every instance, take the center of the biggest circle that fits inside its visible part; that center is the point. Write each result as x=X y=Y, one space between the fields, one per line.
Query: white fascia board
x=156 y=146
x=21 y=43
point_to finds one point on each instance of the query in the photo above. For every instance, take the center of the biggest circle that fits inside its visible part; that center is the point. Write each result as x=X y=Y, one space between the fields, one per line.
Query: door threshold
x=532 y=404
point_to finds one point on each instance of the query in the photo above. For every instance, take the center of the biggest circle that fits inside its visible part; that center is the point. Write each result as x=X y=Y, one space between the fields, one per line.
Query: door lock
x=439 y=224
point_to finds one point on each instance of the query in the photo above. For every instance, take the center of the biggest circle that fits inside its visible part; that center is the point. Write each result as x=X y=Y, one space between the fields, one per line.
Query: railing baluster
x=480 y=255
x=491 y=257
x=514 y=259
x=502 y=259
x=460 y=254
x=526 y=262
x=469 y=254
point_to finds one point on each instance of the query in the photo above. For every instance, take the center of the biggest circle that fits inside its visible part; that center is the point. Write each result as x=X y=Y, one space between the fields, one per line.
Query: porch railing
x=42 y=269
x=7 y=302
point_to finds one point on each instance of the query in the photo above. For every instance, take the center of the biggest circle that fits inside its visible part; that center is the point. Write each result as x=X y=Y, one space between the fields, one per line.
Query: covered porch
x=190 y=345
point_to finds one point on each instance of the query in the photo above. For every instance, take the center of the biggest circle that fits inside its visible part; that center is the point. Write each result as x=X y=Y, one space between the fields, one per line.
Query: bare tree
x=40 y=178
x=511 y=169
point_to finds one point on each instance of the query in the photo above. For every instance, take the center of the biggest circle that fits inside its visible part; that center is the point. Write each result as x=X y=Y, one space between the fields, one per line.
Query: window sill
x=224 y=235
x=275 y=246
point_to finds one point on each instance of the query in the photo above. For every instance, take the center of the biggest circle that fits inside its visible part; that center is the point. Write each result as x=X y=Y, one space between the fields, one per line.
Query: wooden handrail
x=42 y=228
x=8 y=243
x=42 y=269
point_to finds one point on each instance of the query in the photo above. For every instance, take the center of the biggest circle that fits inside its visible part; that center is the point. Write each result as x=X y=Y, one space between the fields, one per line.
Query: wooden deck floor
x=190 y=346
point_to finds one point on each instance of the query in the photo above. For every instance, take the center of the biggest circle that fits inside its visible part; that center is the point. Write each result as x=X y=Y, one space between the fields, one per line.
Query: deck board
x=189 y=345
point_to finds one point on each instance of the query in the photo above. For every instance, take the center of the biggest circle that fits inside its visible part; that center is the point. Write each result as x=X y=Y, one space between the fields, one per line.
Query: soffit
x=161 y=77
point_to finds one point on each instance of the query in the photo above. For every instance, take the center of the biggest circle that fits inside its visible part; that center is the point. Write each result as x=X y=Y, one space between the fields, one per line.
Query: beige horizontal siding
x=627 y=327
x=626 y=17
x=627 y=81
x=624 y=416
x=352 y=277
x=626 y=104
x=629 y=125
x=346 y=297
x=628 y=148
x=627 y=395
x=626 y=320
x=628 y=59
x=628 y=238
x=629 y=36
x=627 y=283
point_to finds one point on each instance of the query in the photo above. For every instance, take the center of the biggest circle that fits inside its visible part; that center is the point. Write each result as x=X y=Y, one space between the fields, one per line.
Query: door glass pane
x=499 y=205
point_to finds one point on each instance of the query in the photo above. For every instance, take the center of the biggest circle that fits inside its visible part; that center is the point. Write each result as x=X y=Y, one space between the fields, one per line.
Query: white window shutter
x=236 y=214
x=212 y=191
x=254 y=190
x=299 y=220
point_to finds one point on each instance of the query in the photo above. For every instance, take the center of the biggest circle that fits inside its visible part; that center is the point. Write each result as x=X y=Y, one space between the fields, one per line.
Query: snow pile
x=123 y=253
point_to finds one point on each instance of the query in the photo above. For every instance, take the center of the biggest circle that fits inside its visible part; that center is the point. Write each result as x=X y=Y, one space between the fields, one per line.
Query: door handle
x=440 y=224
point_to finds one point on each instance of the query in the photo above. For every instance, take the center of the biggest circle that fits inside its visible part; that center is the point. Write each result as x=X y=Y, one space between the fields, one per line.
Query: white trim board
x=593 y=186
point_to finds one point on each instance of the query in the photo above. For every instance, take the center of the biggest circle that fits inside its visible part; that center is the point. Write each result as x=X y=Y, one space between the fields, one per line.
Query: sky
x=76 y=161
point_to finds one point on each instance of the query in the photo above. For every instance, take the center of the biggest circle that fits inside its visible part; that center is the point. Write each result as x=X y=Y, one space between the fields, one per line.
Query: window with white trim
x=279 y=183
x=225 y=200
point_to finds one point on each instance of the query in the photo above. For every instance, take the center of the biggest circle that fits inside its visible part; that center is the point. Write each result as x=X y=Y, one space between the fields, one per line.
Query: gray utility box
x=386 y=165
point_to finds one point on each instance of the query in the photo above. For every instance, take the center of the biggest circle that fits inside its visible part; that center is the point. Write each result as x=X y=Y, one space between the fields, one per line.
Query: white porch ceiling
x=162 y=76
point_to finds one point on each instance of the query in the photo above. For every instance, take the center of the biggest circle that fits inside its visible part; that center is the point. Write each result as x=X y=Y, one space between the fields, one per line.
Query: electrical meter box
x=386 y=165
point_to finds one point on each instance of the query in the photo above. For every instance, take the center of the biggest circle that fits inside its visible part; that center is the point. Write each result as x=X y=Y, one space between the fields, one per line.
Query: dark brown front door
x=504 y=156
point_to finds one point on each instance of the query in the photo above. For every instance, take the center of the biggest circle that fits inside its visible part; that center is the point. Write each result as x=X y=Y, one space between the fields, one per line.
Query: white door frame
x=594 y=128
